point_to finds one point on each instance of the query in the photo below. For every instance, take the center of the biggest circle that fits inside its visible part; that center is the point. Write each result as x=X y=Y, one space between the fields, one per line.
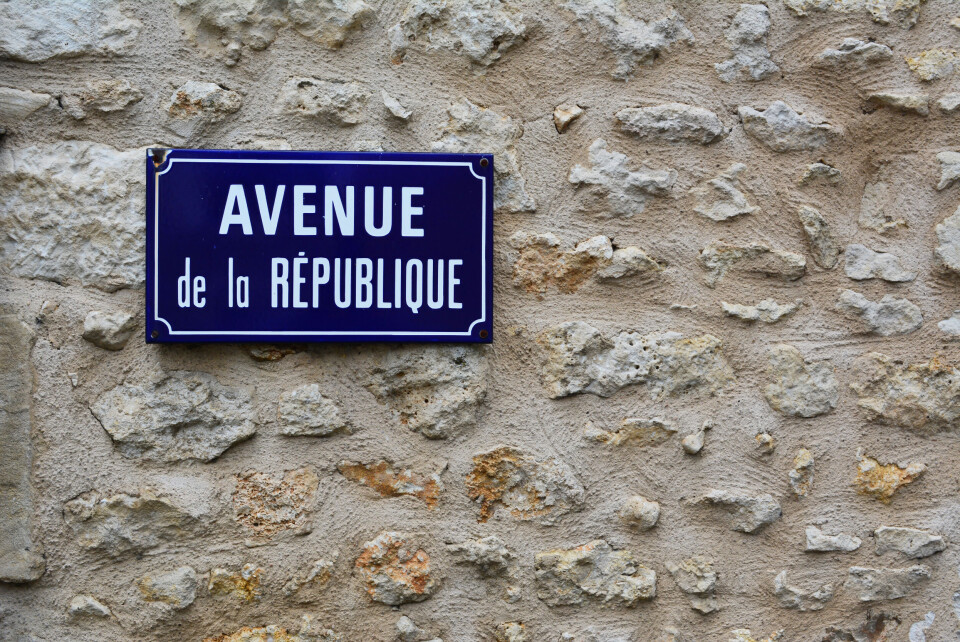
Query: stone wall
x=723 y=399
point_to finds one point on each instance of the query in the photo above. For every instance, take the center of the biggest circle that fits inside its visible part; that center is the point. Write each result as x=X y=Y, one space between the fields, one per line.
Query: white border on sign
x=156 y=250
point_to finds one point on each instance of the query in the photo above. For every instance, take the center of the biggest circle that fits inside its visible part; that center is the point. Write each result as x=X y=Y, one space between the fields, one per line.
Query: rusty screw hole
x=484 y=162
x=159 y=155
x=154 y=334
x=484 y=334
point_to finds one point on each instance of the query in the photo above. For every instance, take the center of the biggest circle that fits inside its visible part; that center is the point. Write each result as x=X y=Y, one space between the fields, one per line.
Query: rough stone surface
x=480 y=30
x=951 y=325
x=948 y=242
x=579 y=359
x=888 y=317
x=16 y=104
x=672 y=122
x=782 y=129
x=176 y=416
x=309 y=631
x=178 y=587
x=911 y=542
x=719 y=258
x=876 y=584
x=21 y=557
x=856 y=52
x=564 y=115
x=633 y=42
x=108 y=330
x=51 y=230
x=933 y=64
x=877 y=212
x=882 y=481
x=639 y=512
x=949 y=168
x=820 y=542
x=87 y=606
x=436 y=391
x=815 y=172
x=911 y=103
x=382 y=477
x=266 y=506
x=308 y=584
x=801 y=477
x=542 y=490
x=792 y=597
x=800 y=388
x=766 y=311
x=103 y=97
x=194 y=105
x=748 y=513
x=610 y=181
x=924 y=397
x=395 y=570
x=337 y=101
x=722 y=198
x=823 y=245
x=901 y=12
x=394 y=106
x=949 y=103
x=634 y=431
x=595 y=571
x=472 y=130
x=696 y=577
x=747 y=38
x=243 y=585
x=306 y=412
x=862 y=263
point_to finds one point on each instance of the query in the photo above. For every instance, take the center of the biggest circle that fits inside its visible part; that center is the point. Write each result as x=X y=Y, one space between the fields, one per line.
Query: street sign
x=318 y=246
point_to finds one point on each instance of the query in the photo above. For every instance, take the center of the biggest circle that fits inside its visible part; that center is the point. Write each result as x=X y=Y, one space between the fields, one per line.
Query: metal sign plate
x=318 y=246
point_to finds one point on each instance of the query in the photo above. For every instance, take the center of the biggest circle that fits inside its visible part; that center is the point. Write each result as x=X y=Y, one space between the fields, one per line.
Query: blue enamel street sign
x=318 y=246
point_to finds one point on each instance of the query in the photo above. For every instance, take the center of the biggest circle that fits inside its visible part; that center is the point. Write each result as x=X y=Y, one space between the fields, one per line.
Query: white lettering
x=236 y=197
x=407 y=210
x=270 y=218
x=333 y=205
x=299 y=209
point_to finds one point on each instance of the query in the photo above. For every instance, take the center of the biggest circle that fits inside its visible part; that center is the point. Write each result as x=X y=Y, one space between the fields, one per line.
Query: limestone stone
x=692 y=444
x=510 y=632
x=695 y=577
x=579 y=359
x=306 y=412
x=823 y=245
x=489 y=554
x=541 y=490
x=672 y=122
x=747 y=38
x=882 y=481
x=878 y=627
x=17 y=104
x=862 y=263
x=639 y=512
x=408 y=631
x=722 y=198
x=636 y=431
x=800 y=388
x=594 y=570
x=801 y=476
x=88 y=606
x=820 y=171
x=934 y=64
x=21 y=557
x=877 y=209
x=102 y=96
x=902 y=12
x=748 y=513
x=876 y=584
x=765 y=442
x=244 y=584
x=396 y=570
x=911 y=542
x=338 y=101
x=267 y=506
x=782 y=129
x=951 y=325
x=918 y=630
x=855 y=52
x=472 y=130
x=634 y=42
x=911 y=103
x=175 y=416
x=309 y=631
x=481 y=31
x=119 y=525
x=609 y=180
x=541 y=262
x=564 y=115
x=924 y=397
x=36 y=30
x=820 y=542
x=51 y=229
x=745 y=635
x=178 y=587
x=390 y=481
x=434 y=390
x=108 y=330
x=791 y=597
x=949 y=103
x=307 y=585
x=949 y=168
x=948 y=242
x=225 y=27
x=888 y=317
x=394 y=106
x=766 y=311
x=719 y=258
x=195 y=105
